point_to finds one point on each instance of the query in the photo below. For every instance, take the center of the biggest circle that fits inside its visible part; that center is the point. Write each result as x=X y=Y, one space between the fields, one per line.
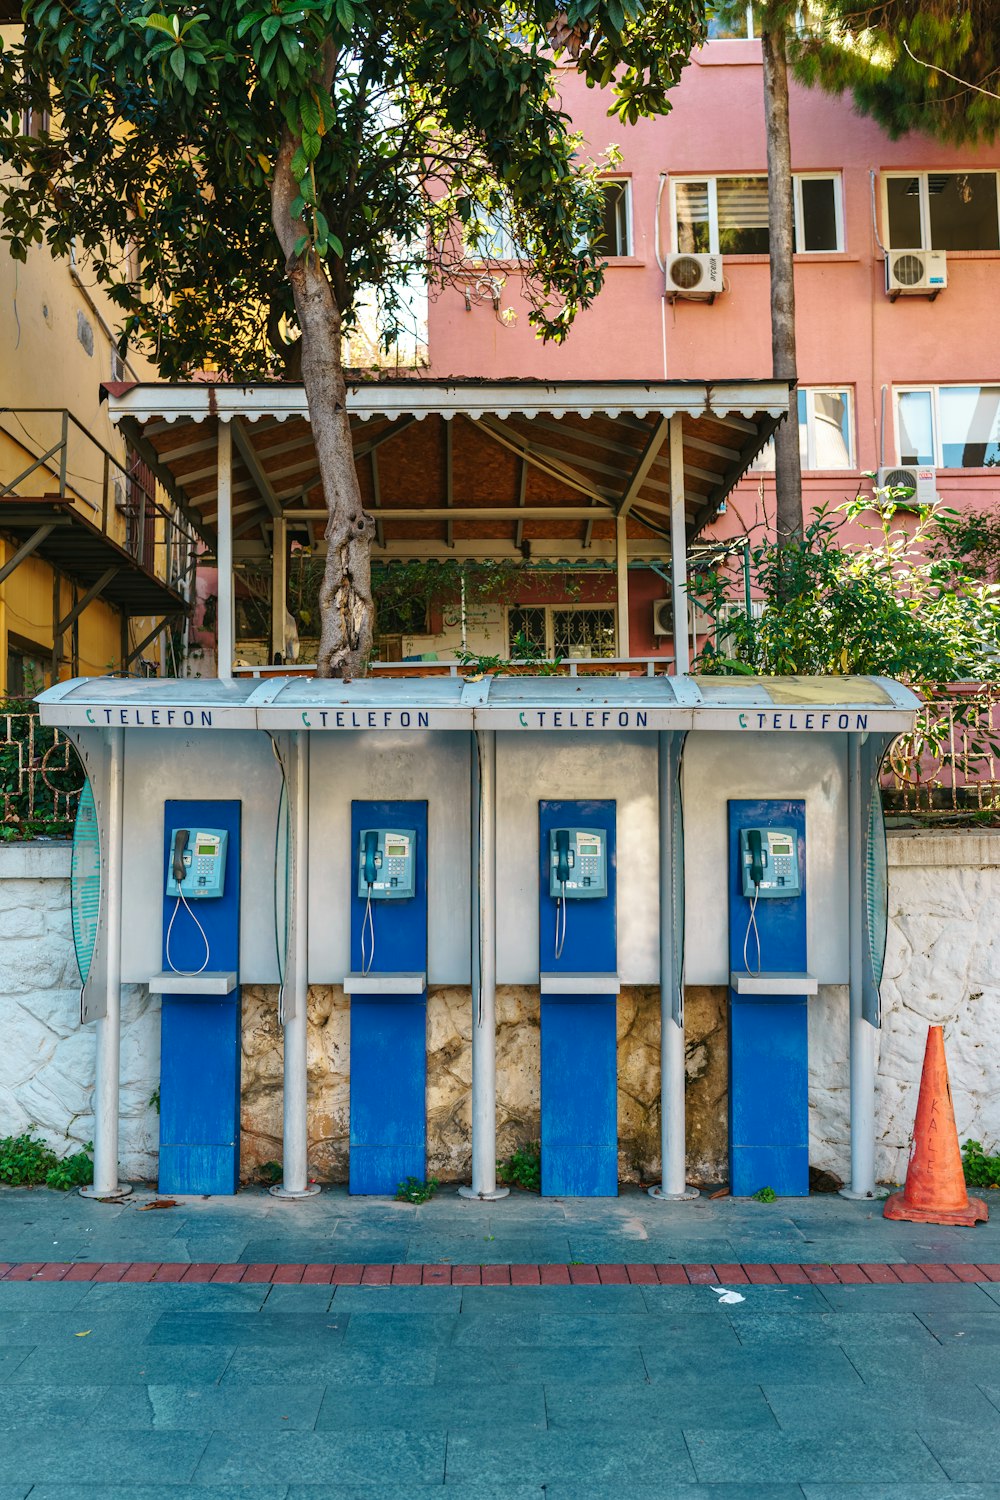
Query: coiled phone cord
x=368 y=921
x=186 y=973
x=752 y=923
x=561 y=911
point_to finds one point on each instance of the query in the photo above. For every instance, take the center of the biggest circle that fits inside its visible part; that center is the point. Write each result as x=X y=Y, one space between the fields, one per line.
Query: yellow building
x=95 y=561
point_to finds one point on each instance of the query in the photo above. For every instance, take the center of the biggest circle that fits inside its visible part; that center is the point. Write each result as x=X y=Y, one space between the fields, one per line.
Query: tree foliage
x=932 y=66
x=412 y=124
x=901 y=602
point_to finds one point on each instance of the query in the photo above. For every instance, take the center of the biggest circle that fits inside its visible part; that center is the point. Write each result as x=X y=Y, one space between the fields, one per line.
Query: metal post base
x=280 y=1191
x=874 y=1196
x=658 y=1193
x=468 y=1192
x=121 y=1191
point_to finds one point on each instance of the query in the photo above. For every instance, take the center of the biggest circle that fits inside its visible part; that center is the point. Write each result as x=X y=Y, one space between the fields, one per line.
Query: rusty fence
x=40 y=776
x=949 y=766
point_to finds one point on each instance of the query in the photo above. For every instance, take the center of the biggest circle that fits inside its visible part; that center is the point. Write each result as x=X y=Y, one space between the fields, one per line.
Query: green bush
x=414 y=1190
x=26 y=1161
x=981 y=1171
x=523 y=1168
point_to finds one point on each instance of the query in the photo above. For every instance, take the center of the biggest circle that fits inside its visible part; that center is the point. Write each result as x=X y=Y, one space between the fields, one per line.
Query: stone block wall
x=942 y=965
x=47 y=1057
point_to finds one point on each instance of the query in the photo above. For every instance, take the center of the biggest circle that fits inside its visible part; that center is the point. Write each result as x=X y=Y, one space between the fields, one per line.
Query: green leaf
x=177 y=61
x=345 y=14
x=270 y=28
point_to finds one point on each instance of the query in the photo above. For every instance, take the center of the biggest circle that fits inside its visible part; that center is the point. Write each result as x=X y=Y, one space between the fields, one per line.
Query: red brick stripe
x=326 y=1274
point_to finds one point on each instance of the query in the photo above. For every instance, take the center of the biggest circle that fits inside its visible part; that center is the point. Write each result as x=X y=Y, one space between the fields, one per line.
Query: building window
x=574 y=631
x=826 y=431
x=616 y=238
x=941 y=210
x=737 y=28
x=728 y=215
x=949 y=426
x=28 y=667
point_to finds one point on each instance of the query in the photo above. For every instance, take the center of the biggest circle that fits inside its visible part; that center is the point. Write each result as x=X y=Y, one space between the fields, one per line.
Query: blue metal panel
x=200 y=1035
x=579 y=1054
x=768 y=1035
x=389 y=1032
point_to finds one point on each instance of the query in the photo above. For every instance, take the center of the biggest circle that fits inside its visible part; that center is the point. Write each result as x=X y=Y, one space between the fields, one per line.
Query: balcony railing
x=117 y=493
x=950 y=765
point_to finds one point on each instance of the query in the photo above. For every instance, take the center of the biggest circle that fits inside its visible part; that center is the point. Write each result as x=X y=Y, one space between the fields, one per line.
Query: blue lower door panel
x=579 y=1096
x=769 y=1095
x=199 y=1095
x=388 y=1091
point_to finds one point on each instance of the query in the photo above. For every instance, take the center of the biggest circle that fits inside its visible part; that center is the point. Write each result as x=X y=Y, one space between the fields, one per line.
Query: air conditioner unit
x=919 y=273
x=697 y=277
x=922 y=481
x=663 y=617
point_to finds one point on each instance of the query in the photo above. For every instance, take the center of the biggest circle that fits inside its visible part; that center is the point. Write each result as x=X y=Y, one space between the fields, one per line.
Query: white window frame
x=711 y=178
x=625 y=182
x=934 y=391
x=550 y=634
x=808 y=462
x=748 y=36
x=925 y=208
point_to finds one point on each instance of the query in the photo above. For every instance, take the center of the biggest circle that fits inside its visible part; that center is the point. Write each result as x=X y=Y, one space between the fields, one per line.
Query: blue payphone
x=577 y=960
x=768 y=1002
x=388 y=990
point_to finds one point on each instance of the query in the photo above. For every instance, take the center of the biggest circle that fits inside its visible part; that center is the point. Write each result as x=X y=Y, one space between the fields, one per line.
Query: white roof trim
x=197 y=401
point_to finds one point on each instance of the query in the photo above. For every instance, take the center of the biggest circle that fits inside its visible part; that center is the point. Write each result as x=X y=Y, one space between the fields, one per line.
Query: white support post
x=678 y=548
x=279 y=586
x=225 y=618
x=108 y=1027
x=295 y=1139
x=862 y=1034
x=484 y=970
x=621 y=565
x=673 y=1143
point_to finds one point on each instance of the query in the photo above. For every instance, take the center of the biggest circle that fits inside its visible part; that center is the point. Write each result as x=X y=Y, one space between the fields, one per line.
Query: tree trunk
x=345 y=596
x=781 y=220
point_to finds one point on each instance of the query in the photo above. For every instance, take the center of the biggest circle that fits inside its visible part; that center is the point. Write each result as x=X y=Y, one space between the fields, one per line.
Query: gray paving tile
x=14 y=1491
x=156 y=1297
x=569 y=1457
x=670 y=1300
x=43 y=1296
x=974 y=1327
x=12 y=1357
x=104 y=1364
x=48 y=1403
x=405 y=1330
x=251 y=1328
x=741 y=1457
x=506 y=1408
x=955 y=1361
x=392 y=1491
x=159 y=1492
x=964 y=1452
x=598 y=1404
x=316 y=1456
x=208 y=1407
x=263 y=1365
x=424 y=1300
x=681 y=1491
x=953 y=1296
x=86 y=1456
x=610 y=1300
x=899 y=1403
x=790 y=1361
x=936 y=1490
x=97 y=1325
x=297 y=1299
x=760 y=1330
x=584 y=1362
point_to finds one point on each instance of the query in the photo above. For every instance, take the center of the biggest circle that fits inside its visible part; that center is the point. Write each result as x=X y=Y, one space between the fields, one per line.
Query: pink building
x=906 y=377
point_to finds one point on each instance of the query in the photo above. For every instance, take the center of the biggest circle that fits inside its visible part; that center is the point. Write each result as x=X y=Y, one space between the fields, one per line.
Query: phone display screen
x=206 y=849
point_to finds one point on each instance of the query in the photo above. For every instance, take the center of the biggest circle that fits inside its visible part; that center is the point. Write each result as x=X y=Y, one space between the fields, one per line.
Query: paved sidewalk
x=256 y=1391
x=254 y=1228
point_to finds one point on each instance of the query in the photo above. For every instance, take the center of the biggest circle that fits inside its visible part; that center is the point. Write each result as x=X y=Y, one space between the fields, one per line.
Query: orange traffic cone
x=935 y=1190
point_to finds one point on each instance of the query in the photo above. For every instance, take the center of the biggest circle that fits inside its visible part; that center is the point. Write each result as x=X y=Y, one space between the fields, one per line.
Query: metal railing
x=951 y=763
x=40 y=776
x=76 y=466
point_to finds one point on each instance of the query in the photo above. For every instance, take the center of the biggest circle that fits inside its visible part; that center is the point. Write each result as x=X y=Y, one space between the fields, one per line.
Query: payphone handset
x=578 y=870
x=769 y=865
x=196 y=871
x=769 y=858
x=387 y=865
